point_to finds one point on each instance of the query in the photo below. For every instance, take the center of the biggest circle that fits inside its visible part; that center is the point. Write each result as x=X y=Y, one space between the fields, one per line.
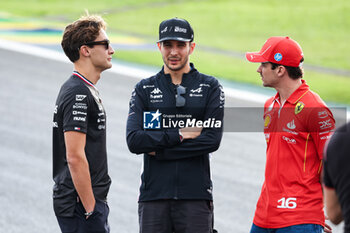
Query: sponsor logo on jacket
x=80 y=97
x=156 y=95
x=291 y=125
x=267 y=121
x=289 y=140
x=196 y=92
x=325 y=124
x=322 y=114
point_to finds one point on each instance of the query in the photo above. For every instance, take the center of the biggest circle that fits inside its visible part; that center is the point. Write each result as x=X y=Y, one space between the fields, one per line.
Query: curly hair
x=84 y=30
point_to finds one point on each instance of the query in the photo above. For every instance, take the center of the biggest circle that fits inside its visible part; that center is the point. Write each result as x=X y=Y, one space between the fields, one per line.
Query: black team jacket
x=180 y=170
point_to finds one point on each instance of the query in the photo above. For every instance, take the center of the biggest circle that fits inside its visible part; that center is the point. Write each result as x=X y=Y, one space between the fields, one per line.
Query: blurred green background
x=224 y=31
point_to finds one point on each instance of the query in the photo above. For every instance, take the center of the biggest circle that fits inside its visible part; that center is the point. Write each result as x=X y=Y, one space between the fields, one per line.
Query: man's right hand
x=190 y=132
x=90 y=209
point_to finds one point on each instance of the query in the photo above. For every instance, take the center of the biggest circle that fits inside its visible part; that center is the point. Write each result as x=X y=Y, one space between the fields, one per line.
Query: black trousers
x=176 y=216
x=96 y=223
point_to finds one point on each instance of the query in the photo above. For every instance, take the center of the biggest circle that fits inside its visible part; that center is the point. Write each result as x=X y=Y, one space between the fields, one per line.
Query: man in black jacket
x=176 y=121
x=336 y=177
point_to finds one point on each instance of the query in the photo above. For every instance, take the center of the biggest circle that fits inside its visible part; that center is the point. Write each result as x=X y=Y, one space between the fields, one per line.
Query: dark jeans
x=176 y=216
x=302 y=228
x=96 y=223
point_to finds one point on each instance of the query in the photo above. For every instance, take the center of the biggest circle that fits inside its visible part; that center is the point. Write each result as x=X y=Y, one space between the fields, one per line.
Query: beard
x=175 y=68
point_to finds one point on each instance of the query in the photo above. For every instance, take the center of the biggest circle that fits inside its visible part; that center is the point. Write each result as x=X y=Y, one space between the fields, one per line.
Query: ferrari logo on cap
x=298 y=108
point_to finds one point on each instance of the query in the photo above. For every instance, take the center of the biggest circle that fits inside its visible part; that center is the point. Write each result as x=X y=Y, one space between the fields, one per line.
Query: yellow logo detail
x=298 y=108
x=267 y=121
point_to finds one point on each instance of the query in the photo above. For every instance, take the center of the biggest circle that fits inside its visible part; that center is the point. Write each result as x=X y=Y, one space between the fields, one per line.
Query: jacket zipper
x=176 y=163
x=176 y=180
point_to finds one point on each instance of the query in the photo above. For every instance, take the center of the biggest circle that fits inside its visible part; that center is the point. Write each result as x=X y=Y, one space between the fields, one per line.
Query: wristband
x=88 y=213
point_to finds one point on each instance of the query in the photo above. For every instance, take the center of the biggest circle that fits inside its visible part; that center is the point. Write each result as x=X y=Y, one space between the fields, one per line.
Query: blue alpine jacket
x=180 y=169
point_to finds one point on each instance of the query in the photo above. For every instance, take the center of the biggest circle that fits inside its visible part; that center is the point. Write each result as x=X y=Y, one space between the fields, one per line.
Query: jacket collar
x=184 y=80
x=85 y=80
x=297 y=94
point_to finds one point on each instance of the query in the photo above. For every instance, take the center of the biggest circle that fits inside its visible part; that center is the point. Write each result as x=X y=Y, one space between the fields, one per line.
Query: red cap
x=279 y=50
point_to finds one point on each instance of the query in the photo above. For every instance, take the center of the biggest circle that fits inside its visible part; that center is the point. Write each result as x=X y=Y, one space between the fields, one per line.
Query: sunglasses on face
x=180 y=100
x=101 y=42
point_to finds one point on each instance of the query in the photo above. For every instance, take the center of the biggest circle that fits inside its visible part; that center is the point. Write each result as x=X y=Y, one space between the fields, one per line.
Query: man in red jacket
x=297 y=125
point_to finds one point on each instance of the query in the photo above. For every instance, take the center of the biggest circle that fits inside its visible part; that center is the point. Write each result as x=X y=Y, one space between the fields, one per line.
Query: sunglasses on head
x=180 y=100
x=101 y=42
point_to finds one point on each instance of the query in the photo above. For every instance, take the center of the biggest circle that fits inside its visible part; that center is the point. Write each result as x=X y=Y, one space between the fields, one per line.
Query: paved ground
x=29 y=86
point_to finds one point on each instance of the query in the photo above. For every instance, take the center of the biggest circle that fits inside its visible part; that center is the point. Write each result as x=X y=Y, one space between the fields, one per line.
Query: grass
x=64 y=8
x=322 y=28
x=330 y=88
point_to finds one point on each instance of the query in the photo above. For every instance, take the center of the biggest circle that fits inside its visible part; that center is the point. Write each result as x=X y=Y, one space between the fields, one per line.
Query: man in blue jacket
x=176 y=120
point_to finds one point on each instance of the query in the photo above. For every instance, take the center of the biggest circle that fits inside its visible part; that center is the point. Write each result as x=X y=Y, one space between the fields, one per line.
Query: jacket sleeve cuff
x=174 y=137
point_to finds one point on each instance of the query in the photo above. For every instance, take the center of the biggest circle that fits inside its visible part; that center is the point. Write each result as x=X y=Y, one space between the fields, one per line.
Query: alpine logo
x=198 y=90
x=164 y=30
x=291 y=125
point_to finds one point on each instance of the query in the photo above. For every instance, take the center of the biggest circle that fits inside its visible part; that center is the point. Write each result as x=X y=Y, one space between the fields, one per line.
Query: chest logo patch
x=196 y=92
x=156 y=95
x=156 y=91
x=298 y=108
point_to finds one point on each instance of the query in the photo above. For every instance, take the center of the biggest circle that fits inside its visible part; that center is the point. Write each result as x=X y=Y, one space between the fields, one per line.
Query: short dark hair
x=84 y=30
x=293 y=72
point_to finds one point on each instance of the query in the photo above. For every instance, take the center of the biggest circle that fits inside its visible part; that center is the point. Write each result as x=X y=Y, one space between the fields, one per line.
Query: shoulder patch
x=267 y=121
